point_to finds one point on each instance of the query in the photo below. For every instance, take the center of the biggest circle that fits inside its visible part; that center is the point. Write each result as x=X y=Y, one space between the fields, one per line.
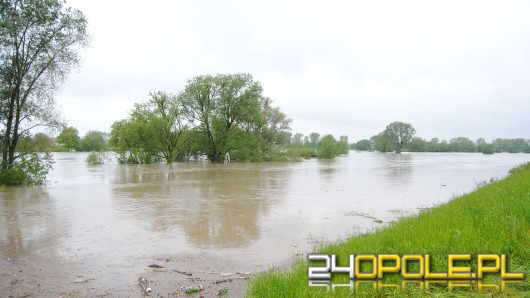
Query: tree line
x=215 y=117
x=399 y=136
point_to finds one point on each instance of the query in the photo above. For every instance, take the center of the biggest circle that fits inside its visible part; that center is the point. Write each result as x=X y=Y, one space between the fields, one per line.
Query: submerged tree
x=220 y=106
x=327 y=147
x=39 y=42
x=153 y=131
x=269 y=131
x=401 y=133
x=383 y=142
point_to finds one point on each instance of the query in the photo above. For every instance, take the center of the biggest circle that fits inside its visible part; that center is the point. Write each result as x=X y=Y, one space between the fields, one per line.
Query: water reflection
x=397 y=168
x=215 y=205
x=29 y=222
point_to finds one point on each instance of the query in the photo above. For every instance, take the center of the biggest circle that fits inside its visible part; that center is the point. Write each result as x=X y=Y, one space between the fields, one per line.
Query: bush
x=488 y=149
x=97 y=158
x=327 y=147
x=29 y=169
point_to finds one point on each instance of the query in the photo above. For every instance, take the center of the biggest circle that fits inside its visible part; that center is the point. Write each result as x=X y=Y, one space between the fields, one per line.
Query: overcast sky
x=450 y=68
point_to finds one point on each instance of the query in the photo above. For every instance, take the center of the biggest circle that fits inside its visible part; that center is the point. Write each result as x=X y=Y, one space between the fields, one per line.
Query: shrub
x=29 y=169
x=97 y=158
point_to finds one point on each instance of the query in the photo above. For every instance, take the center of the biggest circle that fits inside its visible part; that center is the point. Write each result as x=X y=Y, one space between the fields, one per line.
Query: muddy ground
x=41 y=277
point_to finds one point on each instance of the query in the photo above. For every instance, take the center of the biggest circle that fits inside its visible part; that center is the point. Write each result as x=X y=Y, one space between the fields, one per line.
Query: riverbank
x=493 y=219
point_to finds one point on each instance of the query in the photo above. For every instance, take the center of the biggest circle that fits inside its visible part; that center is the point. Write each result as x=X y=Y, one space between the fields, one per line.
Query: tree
x=68 y=138
x=343 y=145
x=327 y=147
x=93 y=141
x=417 y=144
x=40 y=142
x=314 y=138
x=383 y=142
x=401 y=133
x=221 y=106
x=39 y=41
x=153 y=131
x=363 y=145
x=134 y=141
x=269 y=131
x=462 y=144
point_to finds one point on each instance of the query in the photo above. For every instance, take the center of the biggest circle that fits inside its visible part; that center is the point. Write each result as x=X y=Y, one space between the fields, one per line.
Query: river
x=113 y=217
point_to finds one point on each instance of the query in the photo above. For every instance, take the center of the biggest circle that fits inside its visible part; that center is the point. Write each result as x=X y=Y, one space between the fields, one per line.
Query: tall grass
x=494 y=219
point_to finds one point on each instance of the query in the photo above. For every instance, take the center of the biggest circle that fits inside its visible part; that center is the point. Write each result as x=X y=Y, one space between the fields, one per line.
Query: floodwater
x=111 y=217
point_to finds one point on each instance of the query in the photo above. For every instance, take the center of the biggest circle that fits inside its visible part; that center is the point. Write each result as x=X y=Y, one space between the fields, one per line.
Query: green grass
x=493 y=219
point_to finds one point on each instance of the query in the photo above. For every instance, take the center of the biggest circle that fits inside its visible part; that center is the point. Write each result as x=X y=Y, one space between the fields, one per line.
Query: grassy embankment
x=493 y=219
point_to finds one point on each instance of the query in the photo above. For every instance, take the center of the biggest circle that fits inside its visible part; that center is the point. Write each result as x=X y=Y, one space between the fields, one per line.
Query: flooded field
x=108 y=222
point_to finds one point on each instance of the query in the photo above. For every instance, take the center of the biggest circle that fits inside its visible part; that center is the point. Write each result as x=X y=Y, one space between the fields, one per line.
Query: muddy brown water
x=108 y=222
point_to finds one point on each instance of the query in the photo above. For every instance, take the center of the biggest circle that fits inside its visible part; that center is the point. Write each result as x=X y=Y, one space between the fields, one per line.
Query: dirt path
x=165 y=276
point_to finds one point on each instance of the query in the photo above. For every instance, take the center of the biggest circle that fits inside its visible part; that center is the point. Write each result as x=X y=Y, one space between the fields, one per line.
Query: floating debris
x=157 y=267
x=192 y=289
x=222 y=291
x=222 y=281
x=82 y=280
x=183 y=272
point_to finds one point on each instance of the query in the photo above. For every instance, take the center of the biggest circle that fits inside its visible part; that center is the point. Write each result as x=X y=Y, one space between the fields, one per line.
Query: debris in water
x=157 y=267
x=222 y=291
x=12 y=260
x=82 y=280
x=192 y=289
x=222 y=281
x=183 y=272
x=143 y=284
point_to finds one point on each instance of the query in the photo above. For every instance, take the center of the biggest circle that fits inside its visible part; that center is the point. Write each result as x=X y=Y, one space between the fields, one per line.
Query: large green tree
x=93 y=141
x=383 y=142
x=39 y=44
x=327 y=147
x=220 y=107
x=68 y=138
x=154 y=130
x=269 y=132
x=401 y=133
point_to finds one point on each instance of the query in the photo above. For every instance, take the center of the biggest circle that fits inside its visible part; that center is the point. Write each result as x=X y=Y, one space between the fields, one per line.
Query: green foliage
x=68 y=138
x=93 y=141
x=39 y=44
x=343 y=146
x=40 y=142
x=97 y=158
x=400 y=133
x=512 y=145
x=462 y=144
x=383 y=142
x=134 y=142
x=417 y=144
x=221 y=106
x=327 y=147
x=154 y=131
x=363 y=145
x=487 y=149
x=29 y=169
x=314 y=138
x=520 y=169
